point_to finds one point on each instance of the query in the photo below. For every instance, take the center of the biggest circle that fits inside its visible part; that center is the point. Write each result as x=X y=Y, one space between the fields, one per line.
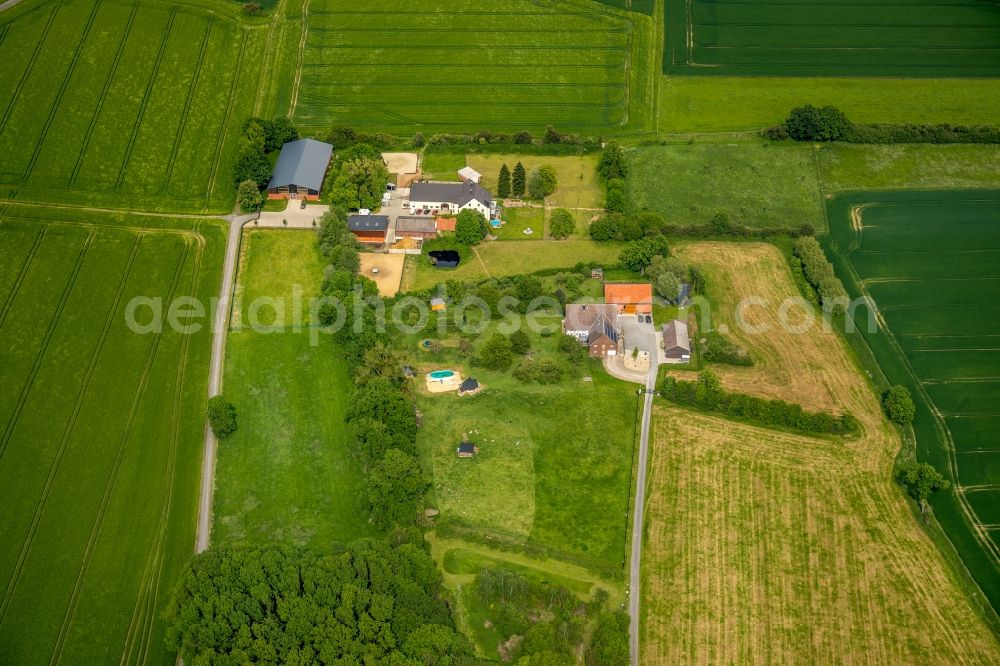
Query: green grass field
x=730 y=103
x=503 y=258
x=517 y=220
x=289 y=474
x=576 y=176
x=554 y=477
x=845 y=167
x=458 y=65
x=100 y=451
x=124 y=104
x=931 y=263
x=771 y=186
x=929 y=38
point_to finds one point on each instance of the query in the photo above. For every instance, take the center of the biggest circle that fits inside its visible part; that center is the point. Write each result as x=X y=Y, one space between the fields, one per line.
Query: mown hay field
x=769 y=547
x=463 y=65
x=102 y=430
x=124 y=104
x=885 y=38
x=930 y=261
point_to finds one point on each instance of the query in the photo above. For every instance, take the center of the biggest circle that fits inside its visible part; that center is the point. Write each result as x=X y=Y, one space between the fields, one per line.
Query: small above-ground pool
x=440 y=381
x=441 y=375
x=495 y=223
x=445 y=258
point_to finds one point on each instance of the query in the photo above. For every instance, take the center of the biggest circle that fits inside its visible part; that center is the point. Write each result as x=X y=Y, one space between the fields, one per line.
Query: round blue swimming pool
x=442 y=374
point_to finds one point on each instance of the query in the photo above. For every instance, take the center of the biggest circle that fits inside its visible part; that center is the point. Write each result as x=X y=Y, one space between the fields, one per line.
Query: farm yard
x=289 y=474
x=778 y=547
x=124 y=104
x=102 y=430
x=460 y=65
x=928 y=38
x=930 y=261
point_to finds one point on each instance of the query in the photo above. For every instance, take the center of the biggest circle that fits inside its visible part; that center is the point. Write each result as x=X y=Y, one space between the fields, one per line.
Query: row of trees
x=368 y=603
x=828 y=123
x=538 y=184
x=252 y=169
x=819 y=273
x=551 y=137
x=613 y=169
x=706 y=393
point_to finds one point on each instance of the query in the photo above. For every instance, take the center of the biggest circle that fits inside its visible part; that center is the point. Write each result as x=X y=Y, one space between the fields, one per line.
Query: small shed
x=467 y=450
x=369 y=228
x=437 y=304
x=469 y=175
x=408 y=371
x=676 y=342
x=597 y=273
x=470 y=386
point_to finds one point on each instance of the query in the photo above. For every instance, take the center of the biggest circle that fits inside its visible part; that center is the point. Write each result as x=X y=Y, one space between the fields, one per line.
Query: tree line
x=828 y=123
x=367 y=603
x=819 y=273
x=706 y=393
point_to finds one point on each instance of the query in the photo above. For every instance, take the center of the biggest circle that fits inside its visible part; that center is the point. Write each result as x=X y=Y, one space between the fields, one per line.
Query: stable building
x=632 y=297
x=300 y=170
x=435 y=198
x=369 y=228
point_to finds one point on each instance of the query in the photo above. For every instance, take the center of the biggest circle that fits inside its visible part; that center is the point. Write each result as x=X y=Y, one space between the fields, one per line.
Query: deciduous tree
x=898 y=405
x=561 y=223
x=221 y=416
x=921 y=480
x=470 y=227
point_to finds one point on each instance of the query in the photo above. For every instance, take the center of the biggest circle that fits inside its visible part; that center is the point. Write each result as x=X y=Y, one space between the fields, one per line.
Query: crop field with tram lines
x=124 y=104
x=101 y=430
x=465 y=65
x=930 y=261
x=924 y=38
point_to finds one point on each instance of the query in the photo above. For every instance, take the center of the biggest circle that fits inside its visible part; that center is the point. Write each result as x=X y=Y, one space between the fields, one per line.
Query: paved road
x=635 y=579
x=221 y=325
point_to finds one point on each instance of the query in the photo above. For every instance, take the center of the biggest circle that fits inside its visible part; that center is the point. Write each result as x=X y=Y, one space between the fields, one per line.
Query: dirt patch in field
x=769 y=547
x=390 y=270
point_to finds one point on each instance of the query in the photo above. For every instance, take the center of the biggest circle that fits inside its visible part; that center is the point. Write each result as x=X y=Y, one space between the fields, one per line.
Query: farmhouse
x=676 y=345
x=369 y=228
x=415 y=227
x=450 y=198
x=633 y=297
x=300 y=170
x=595 y=325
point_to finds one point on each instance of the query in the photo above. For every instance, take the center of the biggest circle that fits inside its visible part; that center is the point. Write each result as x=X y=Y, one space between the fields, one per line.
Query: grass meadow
x=289 y=474
x=578 y=184
x=765 y=545
x=755 y=184
x=100 y=451
x=553 y=478
x=930 y=38
x=846 y=167
x=748 y=103
x=124 y=104
x=459 y=66
x=931 y=263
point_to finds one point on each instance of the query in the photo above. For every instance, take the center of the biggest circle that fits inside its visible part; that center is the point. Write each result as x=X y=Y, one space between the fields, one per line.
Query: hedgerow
x=819 y=273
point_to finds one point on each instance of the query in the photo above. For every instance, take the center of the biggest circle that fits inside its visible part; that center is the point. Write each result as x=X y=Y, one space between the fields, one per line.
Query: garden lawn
x=289 y=474
x=756 y=185
x=505 y=258
x=516 y=220
x=125 y=104
x=576 y=176
x=442 y=166
x=728 y=104
x=100 y=452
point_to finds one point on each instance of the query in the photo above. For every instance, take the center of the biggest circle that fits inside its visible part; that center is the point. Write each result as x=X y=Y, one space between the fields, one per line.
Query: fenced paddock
x=929 y=38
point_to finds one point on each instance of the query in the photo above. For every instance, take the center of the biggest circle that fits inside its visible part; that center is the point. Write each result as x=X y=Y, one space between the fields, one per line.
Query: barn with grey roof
x=300 y=170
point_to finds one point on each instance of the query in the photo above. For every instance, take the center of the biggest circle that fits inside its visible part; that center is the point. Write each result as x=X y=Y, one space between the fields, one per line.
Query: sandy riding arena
x=390 y=271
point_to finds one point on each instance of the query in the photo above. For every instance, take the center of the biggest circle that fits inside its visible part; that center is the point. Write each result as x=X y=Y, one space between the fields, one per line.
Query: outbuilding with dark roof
x=369 y=228
x=300 y=170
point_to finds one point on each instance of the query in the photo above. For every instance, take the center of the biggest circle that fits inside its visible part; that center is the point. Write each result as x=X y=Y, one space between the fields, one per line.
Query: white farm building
x=434 y=198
